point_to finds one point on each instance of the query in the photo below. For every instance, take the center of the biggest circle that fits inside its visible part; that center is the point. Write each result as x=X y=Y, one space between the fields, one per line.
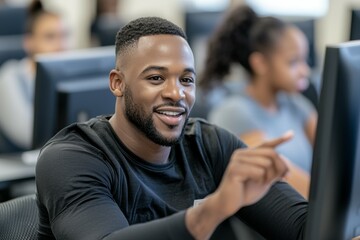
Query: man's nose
x=173 y=90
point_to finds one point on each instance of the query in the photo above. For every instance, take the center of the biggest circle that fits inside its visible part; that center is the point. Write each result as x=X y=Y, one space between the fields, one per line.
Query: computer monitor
x=334 y=201
x=81 y=100
x=56 y=68
x=12 y=19
x=355 y=24
x=199 y=26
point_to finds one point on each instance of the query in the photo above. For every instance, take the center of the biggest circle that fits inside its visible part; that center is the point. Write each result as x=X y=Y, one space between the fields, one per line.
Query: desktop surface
x=14 y=168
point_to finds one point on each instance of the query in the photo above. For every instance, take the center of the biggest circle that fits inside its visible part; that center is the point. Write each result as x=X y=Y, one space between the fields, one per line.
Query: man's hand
x=247 y=178
x=250 y=174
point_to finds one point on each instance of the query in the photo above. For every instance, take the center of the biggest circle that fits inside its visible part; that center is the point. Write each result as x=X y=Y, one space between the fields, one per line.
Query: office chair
x=19 y=218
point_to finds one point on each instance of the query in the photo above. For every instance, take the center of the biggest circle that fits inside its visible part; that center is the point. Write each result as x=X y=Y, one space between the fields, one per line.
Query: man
x=137 y=174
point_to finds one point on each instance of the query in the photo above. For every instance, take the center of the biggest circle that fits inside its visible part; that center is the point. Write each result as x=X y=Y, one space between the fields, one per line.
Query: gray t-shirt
x=241 y=114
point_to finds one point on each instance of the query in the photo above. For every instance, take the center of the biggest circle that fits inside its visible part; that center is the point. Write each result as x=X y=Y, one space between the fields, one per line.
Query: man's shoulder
x=201 y=128
x=216 y=142
x=81 y=132
x=196 y=126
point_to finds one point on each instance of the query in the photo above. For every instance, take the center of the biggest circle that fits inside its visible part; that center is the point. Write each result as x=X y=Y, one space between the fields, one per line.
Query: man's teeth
x=170 y=113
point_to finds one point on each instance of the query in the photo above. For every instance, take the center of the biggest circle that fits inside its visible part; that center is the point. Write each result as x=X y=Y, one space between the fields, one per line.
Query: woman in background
x=45 y=32
x=273 y=53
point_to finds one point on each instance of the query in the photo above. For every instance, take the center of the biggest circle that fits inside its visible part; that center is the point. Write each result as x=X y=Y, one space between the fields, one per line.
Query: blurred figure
x=106 y=23
x=45 y=33
x=273 y=53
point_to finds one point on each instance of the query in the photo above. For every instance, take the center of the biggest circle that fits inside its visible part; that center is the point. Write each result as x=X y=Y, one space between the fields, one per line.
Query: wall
x=334 y=26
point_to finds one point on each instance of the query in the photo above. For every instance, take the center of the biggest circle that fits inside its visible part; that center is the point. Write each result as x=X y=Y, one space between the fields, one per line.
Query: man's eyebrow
x=159 y=68
x=190 y=70
x=152 y=68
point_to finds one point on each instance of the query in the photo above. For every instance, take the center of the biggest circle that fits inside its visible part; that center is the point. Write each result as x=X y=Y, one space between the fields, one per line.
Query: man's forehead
x=158 y=45
x=151 y=41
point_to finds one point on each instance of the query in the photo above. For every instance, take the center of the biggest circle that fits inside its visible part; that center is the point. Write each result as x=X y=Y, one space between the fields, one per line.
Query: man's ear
x=258 y=63
x=117 y=83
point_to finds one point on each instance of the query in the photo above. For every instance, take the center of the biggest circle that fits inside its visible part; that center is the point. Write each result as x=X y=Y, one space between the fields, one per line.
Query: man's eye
x=187 y=80
x=156 y=78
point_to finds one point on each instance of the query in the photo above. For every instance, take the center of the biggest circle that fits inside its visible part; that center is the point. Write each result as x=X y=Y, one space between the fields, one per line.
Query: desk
x=14 y=170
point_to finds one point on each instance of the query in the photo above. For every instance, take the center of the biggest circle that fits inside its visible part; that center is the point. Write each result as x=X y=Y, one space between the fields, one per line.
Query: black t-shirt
x=90 y=186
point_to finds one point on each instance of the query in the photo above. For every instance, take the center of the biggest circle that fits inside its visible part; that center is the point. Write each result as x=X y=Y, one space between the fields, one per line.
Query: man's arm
x=249 y=175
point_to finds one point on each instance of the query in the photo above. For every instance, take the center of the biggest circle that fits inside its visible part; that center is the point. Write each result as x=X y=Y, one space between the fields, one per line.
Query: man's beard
x=145 y=123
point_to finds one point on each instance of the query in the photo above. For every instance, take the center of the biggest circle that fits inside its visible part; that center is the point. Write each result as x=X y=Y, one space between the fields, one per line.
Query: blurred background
x=92 y=23
x=331 y=18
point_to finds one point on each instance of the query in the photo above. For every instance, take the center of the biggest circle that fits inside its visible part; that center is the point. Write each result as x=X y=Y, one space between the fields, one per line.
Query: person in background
x=106 y=22
x=45 y=32
x=273 y=54
x=150 y=171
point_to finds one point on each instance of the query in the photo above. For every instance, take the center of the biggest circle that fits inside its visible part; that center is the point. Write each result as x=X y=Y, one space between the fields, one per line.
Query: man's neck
x=138 y=143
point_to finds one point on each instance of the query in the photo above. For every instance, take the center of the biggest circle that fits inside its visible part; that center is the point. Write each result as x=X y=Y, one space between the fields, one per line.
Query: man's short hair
x=145 y=26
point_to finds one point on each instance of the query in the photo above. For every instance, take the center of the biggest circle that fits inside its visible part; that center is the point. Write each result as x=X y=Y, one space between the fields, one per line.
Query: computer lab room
x=180 y=119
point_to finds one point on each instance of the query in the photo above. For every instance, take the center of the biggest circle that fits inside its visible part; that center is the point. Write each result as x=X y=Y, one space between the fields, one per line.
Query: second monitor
x=53 y=71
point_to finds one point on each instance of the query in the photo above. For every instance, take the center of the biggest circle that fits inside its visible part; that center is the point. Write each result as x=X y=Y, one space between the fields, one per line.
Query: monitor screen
x=54 y=69
x=334 y=201
x=355 y=24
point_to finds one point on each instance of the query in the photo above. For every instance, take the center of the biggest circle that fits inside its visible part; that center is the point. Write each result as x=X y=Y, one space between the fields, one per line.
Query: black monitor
x=56 y=69
x=355 y=24
x=334 y=201
x=81 y=100
x=201 y=24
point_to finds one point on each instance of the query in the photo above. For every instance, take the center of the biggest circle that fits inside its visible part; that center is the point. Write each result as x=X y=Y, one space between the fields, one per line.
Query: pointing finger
x=277 y=141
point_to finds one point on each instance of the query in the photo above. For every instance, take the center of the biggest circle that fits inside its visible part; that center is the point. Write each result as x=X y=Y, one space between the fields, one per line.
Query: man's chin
x=169 y=136
x=166 y=142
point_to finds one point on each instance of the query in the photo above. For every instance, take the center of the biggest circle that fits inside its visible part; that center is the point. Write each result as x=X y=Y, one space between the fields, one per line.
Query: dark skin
x=160 y=69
